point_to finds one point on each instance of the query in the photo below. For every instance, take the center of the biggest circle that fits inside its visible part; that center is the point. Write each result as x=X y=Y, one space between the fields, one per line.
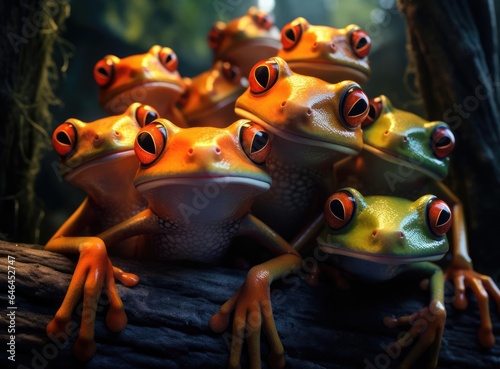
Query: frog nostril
x=405 y=139
x=190 y=151
x=217 y=150
x=401 y=235
x=333 y=46
x=374 y=233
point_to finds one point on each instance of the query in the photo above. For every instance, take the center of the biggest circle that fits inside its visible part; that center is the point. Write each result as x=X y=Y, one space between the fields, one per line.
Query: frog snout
x=388 y=239
x=204 y=155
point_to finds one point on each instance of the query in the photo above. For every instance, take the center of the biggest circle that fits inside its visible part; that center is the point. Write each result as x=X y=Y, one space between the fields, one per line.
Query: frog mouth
x=138 y=92
x=294 y=137
x=69 y=173
x=335 y=249
x=327 y=68
x=397 y=159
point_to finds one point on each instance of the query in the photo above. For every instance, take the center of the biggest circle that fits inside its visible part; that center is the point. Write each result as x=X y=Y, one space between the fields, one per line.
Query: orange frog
x=176 y=166
x=331 y=54
x=245 y=40
x=210 y=96
x=151 y=78
x=313 y=124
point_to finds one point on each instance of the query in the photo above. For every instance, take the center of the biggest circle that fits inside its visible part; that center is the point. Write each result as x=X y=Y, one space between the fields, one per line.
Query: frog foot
x=427 y=327
x=127 y=279
x=93 y=272
x=481 y=285
x=252 y=310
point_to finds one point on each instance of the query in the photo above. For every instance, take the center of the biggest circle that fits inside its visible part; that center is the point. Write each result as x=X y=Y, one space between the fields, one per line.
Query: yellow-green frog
x=210 y=96
x=151 y=78
x=406 y=156
x=332 y=54
x=377 y=238
x=312 y=124
x=245 y=40
x=200 y=184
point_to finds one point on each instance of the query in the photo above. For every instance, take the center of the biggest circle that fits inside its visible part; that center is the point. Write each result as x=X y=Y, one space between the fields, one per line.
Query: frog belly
x=366 y=270
x=206 y=243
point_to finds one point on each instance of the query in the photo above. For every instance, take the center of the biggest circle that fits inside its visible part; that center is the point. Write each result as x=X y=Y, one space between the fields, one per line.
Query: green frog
x=312 y=124
x=199 y=184
x=332 y=54
x=151 y=78
x=245 y=40
x=377 y=238
x=406 y=156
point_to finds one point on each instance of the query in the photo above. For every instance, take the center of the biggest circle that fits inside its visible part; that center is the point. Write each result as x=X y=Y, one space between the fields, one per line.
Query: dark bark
x=453 y=46
x=169 y=309
x=30 y=31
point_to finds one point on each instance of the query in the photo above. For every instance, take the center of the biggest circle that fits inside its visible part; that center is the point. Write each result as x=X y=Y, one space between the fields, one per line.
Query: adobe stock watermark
x=223 y=7
x=40 y=21
x=381 y=17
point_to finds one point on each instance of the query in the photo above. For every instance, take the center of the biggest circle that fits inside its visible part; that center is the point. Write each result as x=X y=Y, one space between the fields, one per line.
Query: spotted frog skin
x=312 y=124
x=332 y=54
x=245 y=40
x=199 y=184
x=210 y=96
x=406 y=156
x=151 y=78
x=376 y=238
x=98 y=157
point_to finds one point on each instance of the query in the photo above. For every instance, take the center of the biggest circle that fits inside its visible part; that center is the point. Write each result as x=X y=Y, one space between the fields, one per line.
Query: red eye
x=339 y=209
x=255 y=142
x=231 y=72
x=64 y=139
x=216 y=35
x=168 y=59
x=290 y=35
x=361 y=43
x=104 y=71
x=442 y=142
x=439 y=218
x=263 y=76
x=373 y=112
x=263 y=20
x=354 y=107
x=146 y=114
x=150 y=142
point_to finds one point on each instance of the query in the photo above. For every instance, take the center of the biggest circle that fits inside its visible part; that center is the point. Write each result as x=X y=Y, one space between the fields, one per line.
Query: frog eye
x=150 y=142
x=255 y=142
x=104 y=71
x=231 y=72
x=373 y=112
x=442 y=142
x=146 y=114
x=263 y=20
x=439 y=218
x=339 y=209
x=168 y=59
x=64 y=139
x=263 y=76
x=216 y=35
x=354 y=107
x=290 y=35
x=361 y=43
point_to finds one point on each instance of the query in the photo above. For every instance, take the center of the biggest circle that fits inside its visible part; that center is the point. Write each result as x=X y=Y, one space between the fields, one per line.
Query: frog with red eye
x=151 y=78
x=245 y=40
x=176 y=166
x=332 y=54
x=313 y=124
x=406 y=156
x=210 y=96
x=377 y=238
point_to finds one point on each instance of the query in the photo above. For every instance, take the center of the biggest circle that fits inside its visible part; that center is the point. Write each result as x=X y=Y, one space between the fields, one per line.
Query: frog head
x=151 y=78
x=332 y=54
x=384 y=230
x=404 y=138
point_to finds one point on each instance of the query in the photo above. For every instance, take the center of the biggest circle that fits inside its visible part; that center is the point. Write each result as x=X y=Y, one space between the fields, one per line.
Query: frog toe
x=84 y=348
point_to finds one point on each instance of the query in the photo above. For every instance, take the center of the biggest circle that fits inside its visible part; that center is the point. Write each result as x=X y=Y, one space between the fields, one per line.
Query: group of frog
x=277 y=143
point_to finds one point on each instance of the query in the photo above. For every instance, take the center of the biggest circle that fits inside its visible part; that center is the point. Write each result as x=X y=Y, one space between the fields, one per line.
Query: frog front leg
x=252 y=302
x=428 y=323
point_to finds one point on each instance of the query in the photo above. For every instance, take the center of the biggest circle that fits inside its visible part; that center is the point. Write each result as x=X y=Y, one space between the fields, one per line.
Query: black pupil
x=146 y=141
x=63 y=138
x=260 y=140
x=290 y=34
x=103 y=71
x=168 y=58
x=337 y=209
x=358 y=108
x=150 y=116
x=443 y=141
x=361 y=43
x=371 y=112
x=262 y=75
x=444 y=216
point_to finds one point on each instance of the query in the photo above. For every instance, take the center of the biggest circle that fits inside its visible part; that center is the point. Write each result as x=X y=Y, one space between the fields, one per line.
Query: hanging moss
x=31 y=32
